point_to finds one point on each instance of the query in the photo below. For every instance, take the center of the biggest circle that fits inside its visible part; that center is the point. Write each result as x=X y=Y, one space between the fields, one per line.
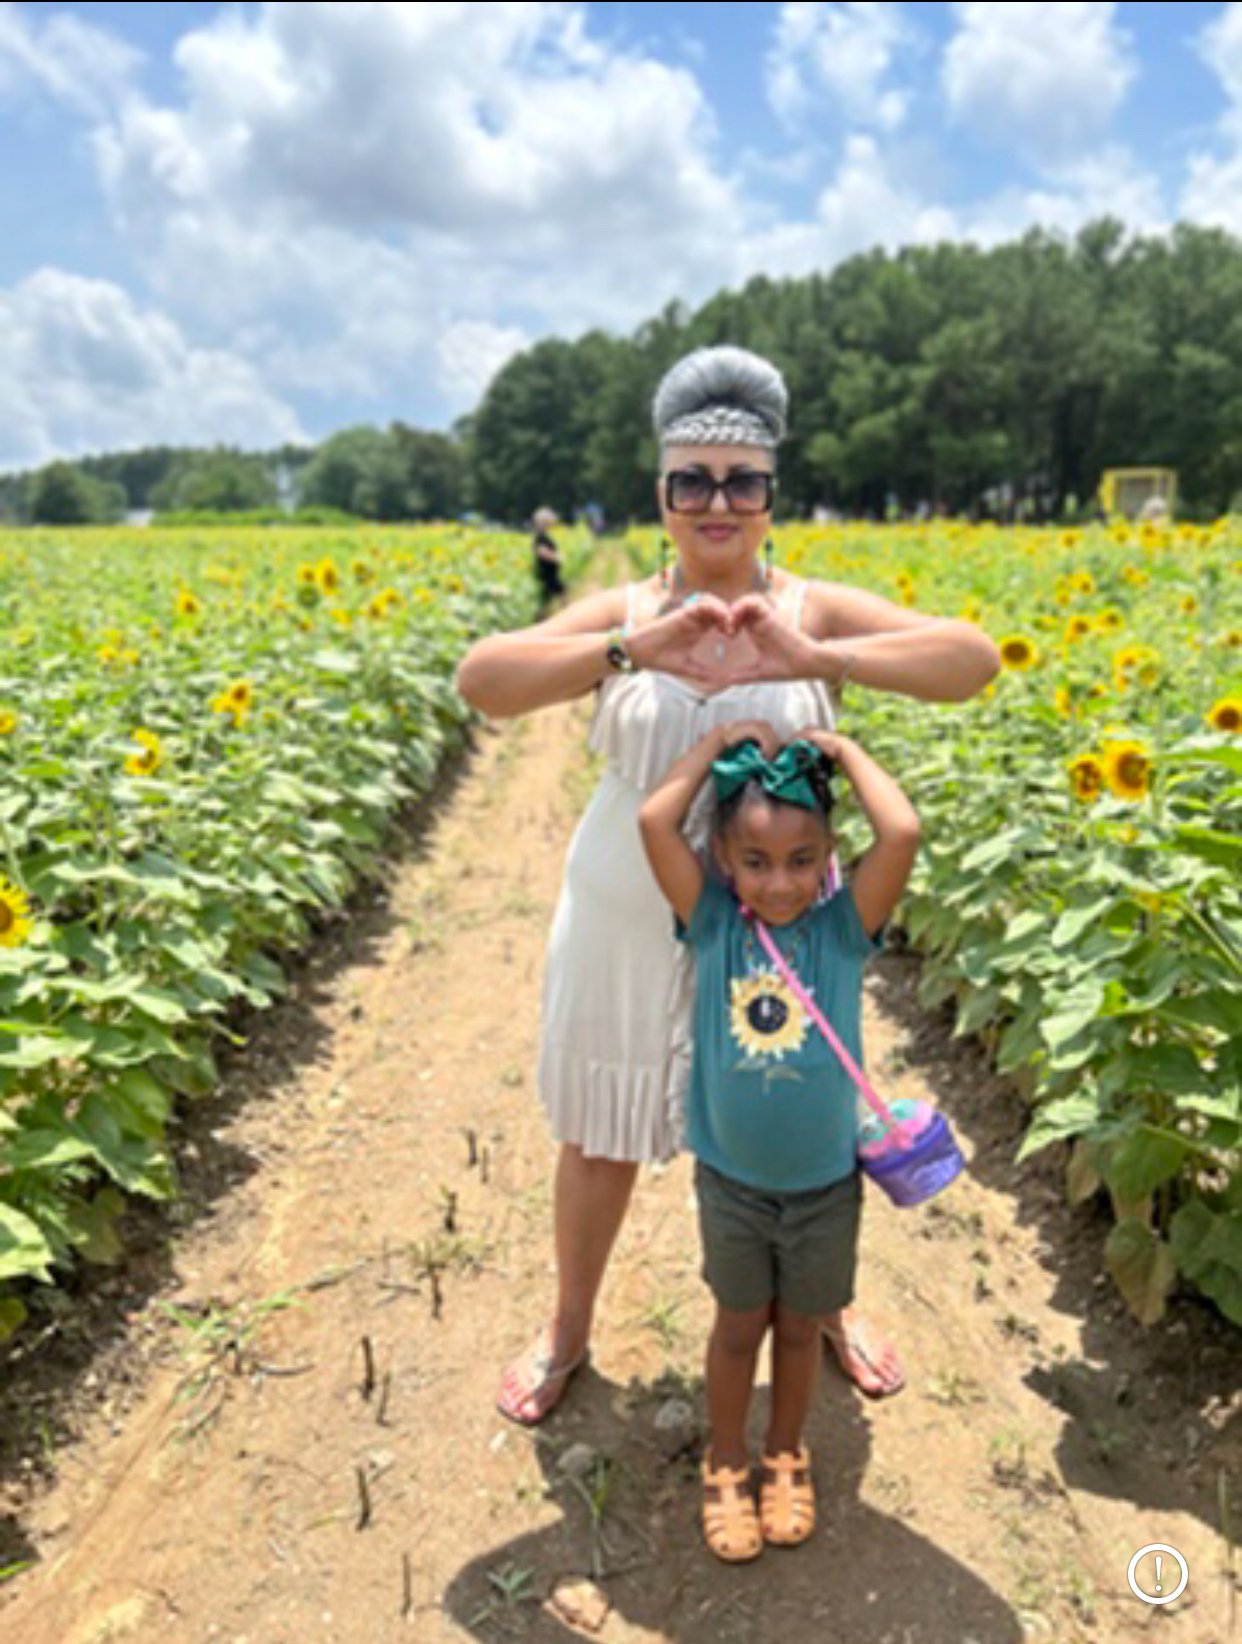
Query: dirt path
x=312 y=1453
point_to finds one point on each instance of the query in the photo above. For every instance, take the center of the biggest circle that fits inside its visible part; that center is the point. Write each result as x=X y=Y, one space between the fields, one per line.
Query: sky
x=251 y=223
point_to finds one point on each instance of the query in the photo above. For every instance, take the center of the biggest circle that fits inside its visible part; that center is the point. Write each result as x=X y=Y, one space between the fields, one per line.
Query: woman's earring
x=664 y=563
x=768 y=551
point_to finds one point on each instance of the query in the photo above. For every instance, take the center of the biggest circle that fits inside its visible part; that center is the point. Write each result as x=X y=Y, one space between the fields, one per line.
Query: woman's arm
x=553 y=661
x=887 y=647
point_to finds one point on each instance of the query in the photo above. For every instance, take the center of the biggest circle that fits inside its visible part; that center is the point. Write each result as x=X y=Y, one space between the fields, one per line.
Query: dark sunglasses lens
x=749 y=492
x=687 y=491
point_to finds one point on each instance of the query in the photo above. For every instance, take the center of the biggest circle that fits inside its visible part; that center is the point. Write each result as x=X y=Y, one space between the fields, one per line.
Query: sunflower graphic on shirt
x=765 y=1016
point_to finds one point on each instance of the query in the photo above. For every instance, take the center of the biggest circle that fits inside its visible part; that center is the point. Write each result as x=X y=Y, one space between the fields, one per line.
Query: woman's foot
x=787 y=1498
x=730 y=1522
x=532 y=1384
x=866 y=1357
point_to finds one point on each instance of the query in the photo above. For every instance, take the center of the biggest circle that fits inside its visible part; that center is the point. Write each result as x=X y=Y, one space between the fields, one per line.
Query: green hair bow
x=787 y=777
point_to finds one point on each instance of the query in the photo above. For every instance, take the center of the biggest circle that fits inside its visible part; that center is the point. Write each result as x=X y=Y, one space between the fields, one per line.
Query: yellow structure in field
x=1128 y=491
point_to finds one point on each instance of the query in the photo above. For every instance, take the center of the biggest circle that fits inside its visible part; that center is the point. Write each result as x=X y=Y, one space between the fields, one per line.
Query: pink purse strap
x=872 y=1097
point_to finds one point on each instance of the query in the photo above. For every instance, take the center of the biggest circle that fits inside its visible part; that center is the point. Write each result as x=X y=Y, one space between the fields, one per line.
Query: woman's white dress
x=614 y=1057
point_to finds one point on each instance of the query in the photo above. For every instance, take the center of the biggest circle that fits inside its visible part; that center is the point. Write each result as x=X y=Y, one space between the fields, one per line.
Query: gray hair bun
x=721 y=396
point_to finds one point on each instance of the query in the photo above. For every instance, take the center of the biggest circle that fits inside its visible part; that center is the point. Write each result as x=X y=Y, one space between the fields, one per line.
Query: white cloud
x=1106 y=183
x=868 y=203
x=347 y=183
x=83 y=368
x=829 y=62
x=470 y=354
x=64 y=58
x=497 y=123
x=1212 y=194
x=1045 y=76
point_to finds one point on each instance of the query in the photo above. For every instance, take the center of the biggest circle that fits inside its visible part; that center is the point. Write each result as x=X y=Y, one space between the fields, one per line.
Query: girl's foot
x=730 y=1522
x=532 y=1385
x=866 y=1357
x=787 y=1498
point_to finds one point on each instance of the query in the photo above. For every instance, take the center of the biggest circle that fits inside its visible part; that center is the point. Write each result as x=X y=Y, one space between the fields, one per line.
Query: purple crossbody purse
x=912 y=1156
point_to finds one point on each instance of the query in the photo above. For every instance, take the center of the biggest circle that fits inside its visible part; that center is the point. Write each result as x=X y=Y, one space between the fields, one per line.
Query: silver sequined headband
x=720 y=425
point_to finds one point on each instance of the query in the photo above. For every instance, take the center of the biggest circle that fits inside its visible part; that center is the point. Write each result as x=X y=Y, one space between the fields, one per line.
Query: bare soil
x=275 y=1422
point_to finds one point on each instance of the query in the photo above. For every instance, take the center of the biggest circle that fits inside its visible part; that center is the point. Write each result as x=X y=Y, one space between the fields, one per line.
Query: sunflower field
x=205 y=738
x=1078 y=893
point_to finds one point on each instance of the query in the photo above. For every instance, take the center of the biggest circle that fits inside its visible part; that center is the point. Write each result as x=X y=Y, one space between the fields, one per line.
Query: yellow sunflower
x=1127 y=769
x=15 y=921
x=308 y=576
x=1109 y=620
x=1226 y=715
x=327 y=576
x=1189 y=605
x=1018 y=652
x=240 y=694
x=8 y=722
x=187 y=605
x=363 y=571
x=1136 y=663
x=1078 y=627
x=1087 y=775
x=765 y=1017
x=1063 y=702
x=149 y=760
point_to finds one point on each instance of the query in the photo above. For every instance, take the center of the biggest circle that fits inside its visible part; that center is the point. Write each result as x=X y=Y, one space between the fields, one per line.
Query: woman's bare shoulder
x=835 y=610
x=592 y=614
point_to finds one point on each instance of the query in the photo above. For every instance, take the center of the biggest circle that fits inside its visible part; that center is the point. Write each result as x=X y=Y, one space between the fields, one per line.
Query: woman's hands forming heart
x=713 y=645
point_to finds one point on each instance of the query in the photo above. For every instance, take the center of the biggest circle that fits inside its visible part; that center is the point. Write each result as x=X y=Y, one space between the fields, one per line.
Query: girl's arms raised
x=882 y=872
x=677 y=869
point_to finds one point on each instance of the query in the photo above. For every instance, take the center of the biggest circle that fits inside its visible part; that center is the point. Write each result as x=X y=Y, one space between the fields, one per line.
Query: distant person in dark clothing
x=547 y=557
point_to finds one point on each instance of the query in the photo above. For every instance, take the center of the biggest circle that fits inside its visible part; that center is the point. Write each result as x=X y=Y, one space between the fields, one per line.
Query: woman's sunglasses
x=693 y=490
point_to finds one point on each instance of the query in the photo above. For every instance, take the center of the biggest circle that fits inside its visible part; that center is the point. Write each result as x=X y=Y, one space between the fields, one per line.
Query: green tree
x=61 y=494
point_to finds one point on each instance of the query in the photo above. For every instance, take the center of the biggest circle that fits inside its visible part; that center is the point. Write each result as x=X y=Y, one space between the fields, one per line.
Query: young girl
x=771 y=1113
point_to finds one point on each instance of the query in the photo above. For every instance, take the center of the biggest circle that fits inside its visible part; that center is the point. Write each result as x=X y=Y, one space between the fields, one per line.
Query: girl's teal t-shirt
x=769 y=1102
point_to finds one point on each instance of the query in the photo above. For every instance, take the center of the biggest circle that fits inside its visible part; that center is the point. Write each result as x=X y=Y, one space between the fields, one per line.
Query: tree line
x=946 y=377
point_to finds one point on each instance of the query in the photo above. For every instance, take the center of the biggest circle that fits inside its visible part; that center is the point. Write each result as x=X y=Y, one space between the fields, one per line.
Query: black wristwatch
x=617 y=653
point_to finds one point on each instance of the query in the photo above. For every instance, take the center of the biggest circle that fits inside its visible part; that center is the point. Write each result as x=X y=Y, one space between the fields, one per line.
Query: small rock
x=1194 y=1440
x=580 y=1604
x=675 y=1428
x=578 y=1461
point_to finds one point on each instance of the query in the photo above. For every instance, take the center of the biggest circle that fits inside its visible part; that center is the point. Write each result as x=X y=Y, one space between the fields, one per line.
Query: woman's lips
x=716 y=533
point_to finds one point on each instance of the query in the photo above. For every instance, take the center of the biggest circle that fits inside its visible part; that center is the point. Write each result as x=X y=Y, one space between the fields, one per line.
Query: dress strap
x=799 y=602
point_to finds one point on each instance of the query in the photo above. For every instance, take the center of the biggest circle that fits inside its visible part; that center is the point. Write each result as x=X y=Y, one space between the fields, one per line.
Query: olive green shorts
x=795 y=1248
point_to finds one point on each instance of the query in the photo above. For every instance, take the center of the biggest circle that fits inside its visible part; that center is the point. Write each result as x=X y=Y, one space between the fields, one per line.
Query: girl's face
x=723 y=537
x=776 y=856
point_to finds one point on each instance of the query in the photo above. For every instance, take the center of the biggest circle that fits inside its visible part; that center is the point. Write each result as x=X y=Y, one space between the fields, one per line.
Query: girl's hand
x=831 y=743
x=749 y=730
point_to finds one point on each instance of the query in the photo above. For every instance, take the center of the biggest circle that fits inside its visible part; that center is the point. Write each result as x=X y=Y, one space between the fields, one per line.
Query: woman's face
x=722 y=537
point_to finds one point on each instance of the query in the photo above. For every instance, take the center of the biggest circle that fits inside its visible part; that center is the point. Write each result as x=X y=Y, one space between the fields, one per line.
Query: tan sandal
x=730 y=1522
x=787 y=1498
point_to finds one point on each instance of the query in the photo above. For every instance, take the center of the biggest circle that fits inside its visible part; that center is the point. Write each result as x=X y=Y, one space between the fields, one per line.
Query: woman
x=718 y=634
